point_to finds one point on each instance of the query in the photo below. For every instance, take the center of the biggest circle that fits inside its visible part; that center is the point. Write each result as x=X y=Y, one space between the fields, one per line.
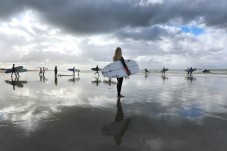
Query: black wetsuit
x=13 y=70
x=120 y=80
x=119 y=85
x=55 y=70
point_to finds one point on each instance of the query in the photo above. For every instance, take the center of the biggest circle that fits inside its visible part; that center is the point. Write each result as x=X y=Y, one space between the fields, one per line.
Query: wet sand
x=174 y=113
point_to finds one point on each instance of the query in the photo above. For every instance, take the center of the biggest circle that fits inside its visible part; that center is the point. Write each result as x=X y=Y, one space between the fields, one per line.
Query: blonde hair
x=118 y=54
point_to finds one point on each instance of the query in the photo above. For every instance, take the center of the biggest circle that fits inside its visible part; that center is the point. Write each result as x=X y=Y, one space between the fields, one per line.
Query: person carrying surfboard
x=14 y=71
x=118 y=56
x=56 y=71
x=97 y=70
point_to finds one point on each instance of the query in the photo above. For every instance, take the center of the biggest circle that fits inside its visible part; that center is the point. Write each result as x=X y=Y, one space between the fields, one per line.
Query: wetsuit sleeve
x=125 y=66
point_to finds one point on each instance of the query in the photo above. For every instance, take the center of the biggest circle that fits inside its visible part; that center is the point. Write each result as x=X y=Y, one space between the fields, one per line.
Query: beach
x=173 y=113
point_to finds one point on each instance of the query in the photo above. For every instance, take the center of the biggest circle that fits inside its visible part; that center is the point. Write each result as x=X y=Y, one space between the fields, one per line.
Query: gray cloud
x=98 y=16
x=140 y=30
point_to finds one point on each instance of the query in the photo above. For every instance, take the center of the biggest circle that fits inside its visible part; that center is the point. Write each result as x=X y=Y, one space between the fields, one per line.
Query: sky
x=175 y=34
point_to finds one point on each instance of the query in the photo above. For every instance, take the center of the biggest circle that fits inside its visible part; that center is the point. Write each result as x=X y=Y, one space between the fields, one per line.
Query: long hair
x=118 y=54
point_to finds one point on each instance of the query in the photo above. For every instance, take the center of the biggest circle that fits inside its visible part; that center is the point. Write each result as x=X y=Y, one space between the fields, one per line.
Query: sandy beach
x=174 y=113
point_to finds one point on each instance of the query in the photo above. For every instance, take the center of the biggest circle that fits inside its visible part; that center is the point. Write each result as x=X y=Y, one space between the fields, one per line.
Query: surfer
x=40 y=72
x=97 y=70
x=43 y=71
x=118 y=56
x=55 y=71
x=190 y=71
x=146 y=71
x=13 y=71
x=74 y=71
x=163 y=71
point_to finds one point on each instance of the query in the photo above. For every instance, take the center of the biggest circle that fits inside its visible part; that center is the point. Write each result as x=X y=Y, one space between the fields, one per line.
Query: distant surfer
x=206 y=71
x=43 y=71
x=74 y=71
x=97 y=70
x=146 y=71
x=190 y=71
x=118 y=56
x=14 y=71
x=40 y=72
x=56 y=71
x=163 y=71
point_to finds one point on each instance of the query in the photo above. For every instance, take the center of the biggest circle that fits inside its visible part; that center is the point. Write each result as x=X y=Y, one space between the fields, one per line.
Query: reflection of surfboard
x=96 y=81
x=17 y=70
x=61 y=75
x=73 y=79
x=16 y=83
x=109 y=82
x=94 y=69
x=116 y=69
x=76 y=70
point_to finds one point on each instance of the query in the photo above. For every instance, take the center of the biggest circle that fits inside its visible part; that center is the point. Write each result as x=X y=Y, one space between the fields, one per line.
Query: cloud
x=98 y=16
x=88 y=31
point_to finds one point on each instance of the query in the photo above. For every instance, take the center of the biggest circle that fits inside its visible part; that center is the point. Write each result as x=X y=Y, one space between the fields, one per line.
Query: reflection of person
x=97 y=70
x=56 y=80
x=97 y=81
x=13 y=82
x=120 y=118
x=119 y=126
x=118 y=56
x=55 y=71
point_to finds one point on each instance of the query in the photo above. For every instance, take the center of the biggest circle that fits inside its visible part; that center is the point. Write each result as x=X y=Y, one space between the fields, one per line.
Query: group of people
x=42 y=71
x=117 y=57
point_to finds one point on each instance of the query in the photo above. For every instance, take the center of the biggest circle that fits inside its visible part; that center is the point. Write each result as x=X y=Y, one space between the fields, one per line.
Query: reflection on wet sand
x=16 y=82
x=164 y=77
x=56 y=80
x=74 y=79
x=190 y=78
x=170 y=115
x=97 y=81
x=117 y=128
x=42 y=78
x=109 y=82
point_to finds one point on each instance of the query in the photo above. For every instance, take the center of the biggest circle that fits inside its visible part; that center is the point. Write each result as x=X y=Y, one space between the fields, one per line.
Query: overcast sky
x=156 y=33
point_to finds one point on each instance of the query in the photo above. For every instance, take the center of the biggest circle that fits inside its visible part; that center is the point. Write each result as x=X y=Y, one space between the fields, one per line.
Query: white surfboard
x=116 y=69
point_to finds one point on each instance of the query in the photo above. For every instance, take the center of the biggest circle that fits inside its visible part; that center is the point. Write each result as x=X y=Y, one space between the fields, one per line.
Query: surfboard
x=188 y=70
x=117 y=70
x=76 y=70
x=164 y=70
x=94 y=69
x=17 y=70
